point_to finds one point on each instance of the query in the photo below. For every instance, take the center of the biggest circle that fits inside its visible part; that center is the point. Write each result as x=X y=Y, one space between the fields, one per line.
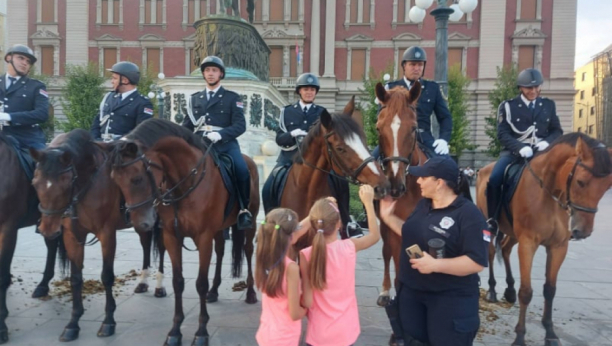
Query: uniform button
x=518 y=119
x=5 y=99
x=206 y=113
x=109 y=127
x=196 y=112
x=112 y=113
x=305 y=122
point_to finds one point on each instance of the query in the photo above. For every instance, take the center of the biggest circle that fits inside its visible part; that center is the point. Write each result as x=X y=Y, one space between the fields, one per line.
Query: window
x=276 y=10
x=276 y=62
x=526 y=57
x=366 y=11
x=590 y=129
x=110 y=58
x=582 y=94
x=403 y=7
x=579 y=129
x=295 y=13
x=355 y=7
x=196 y=9
x=153 y=60
x=529 y=9
x=153 y=11
x=583 y=76
x=46 y=61
x=292 y=62
x=455 y=57
x=358 y=58
x=47 y=11
x=110 y=11
x=593 y=92
x=593 y=110
x=580 y=113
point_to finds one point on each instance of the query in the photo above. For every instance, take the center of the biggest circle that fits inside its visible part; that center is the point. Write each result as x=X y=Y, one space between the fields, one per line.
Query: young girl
x=278 y=278
x=328 y=274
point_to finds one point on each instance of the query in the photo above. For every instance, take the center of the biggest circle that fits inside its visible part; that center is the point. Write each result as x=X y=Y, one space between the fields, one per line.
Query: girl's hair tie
x=320 y=222
x=277 y=227
x=320 y=230
x=263 y=222
x=334 y=206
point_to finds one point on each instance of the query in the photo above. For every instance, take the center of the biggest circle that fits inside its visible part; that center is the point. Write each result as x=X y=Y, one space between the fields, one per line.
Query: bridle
x=406 y=160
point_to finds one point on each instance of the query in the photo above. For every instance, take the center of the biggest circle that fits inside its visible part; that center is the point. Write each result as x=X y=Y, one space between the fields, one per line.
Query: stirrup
x=353 y=230
x=493 y=225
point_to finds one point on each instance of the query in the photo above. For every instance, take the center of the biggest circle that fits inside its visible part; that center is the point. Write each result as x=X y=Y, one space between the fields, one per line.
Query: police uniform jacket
x=519 y=126
x=431 y=100
x=224 y=113
x=27 y=102
x=118 y=117
x=464 y=230
x=293 y=118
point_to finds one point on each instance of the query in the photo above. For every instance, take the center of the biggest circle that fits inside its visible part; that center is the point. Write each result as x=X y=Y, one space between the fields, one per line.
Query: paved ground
x=582 y=309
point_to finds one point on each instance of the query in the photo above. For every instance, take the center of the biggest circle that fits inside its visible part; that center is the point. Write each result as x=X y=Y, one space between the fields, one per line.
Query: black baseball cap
x=441 y=167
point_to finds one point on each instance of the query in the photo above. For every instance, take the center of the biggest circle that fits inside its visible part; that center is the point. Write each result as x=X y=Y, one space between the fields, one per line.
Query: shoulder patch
x=148 y=111
x=44 y=93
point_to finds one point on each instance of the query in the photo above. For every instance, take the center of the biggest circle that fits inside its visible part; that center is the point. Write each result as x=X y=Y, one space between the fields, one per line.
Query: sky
x=593 y=29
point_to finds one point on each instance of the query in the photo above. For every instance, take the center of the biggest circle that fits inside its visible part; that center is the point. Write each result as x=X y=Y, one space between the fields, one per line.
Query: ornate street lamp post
x=158 y=92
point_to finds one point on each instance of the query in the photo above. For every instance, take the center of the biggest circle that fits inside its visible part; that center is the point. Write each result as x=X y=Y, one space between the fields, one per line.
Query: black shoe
x=226 y=234
x=353 y=230
x=395 y=341
x=245 y=220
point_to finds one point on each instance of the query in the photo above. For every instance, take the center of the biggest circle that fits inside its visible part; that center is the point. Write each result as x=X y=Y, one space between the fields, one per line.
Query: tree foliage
x=505 y=88
x=81 y=96
x=368 y=106
x=459 y=107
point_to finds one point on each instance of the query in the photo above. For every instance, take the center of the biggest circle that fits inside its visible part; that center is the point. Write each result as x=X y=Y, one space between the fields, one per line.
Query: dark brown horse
x=335 y=142
x=555 y=201
x=165 y=165
x=78 y=197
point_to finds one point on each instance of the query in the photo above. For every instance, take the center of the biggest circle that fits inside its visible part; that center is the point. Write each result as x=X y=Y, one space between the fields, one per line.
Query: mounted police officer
x=218 y=115
x=122 y=109
x=525 y=123
x=431 y=100
x=24 y=103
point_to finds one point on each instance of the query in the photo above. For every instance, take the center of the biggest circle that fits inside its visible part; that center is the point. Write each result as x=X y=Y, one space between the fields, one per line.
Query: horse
x=564 y=183
x=397 y=135
x=165 y=167
x=16 y=194
x=78 y=197
x=335 y=142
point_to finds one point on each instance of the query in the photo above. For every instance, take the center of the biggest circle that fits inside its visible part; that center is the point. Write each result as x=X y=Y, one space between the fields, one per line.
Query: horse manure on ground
x=62 y=288
x=489 y=314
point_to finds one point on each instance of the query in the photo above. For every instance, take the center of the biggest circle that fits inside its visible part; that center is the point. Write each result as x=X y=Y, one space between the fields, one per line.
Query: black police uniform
x=27 y=102
x=293 y=118
x=436 y=308
x=224 y=113
x=118 y=117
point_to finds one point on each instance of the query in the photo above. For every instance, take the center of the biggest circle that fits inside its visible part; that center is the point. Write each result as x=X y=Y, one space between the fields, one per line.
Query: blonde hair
x=273 y=241
x=324 y=217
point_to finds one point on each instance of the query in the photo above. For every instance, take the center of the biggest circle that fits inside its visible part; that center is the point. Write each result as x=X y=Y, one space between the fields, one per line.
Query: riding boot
x=340 y=190
x=493 y=207
x=245 y=219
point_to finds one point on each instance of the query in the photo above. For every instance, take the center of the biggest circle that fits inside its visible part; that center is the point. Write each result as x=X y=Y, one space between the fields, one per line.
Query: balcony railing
x=280 y=82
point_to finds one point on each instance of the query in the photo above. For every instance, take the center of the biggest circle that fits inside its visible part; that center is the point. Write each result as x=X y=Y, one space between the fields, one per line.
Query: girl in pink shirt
x=278 y=278
x=328 y=274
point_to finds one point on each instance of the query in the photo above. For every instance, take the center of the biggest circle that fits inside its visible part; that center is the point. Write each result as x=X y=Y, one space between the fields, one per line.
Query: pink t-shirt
x=333 y=319
x=276 y=328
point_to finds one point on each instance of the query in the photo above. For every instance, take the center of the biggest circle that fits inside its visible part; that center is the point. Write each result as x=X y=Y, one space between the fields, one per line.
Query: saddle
x=272 y=197
x=512 y=175
x=226 y=168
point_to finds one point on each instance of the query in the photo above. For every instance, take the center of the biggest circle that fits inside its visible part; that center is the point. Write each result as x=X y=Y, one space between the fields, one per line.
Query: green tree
x=505 y=88
x=368 y=106
x=145 y=84
x=81 y=96
x=459 y=108
x=48 y=127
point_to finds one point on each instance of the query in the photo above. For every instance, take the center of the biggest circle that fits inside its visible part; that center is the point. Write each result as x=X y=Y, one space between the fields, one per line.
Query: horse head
x=341 y=141
x=397 y=133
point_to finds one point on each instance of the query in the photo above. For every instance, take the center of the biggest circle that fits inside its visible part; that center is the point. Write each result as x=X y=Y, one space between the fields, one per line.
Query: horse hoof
x=200 y=341
x=251 y=298
x=69 y=334
x=40 y=292
x=491 y=297
x=212 y=297
x=3 y=336
x=173 y=340
x=106 y=330
x=141 y=288
x=160 y=292
x=510 y=295
x=383 y=301
x=552 y=342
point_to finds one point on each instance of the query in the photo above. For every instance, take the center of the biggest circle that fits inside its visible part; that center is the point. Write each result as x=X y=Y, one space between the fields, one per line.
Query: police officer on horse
x=218 y=115
x=24 y=102
x=526 y=123
x=122 y=109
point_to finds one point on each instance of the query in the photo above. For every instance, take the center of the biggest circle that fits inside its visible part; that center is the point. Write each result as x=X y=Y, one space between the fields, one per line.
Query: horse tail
x=156 y=238
x=238 y=237
x=499 y=239
x=464 y=186
x=62 y=254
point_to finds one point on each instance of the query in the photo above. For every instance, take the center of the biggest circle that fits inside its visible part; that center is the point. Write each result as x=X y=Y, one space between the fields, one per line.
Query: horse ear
x=65 y=158
x=36 y=154
x=326 y=119
x=130 y=149
x=381 y=93
x=350 y=107
x=415 y=92
x=582 y=149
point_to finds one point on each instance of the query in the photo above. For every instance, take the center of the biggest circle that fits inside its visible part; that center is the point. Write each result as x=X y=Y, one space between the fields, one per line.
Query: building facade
x=585 y=113
x=340 y=40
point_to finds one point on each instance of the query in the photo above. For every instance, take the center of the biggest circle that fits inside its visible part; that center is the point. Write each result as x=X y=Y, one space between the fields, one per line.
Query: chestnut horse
x=161 y=162
x=335 y=142
x=78 y=197
x=564 y=183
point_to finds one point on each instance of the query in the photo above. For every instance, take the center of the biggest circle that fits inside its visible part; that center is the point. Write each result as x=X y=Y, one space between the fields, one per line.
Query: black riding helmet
x=127 y=69
x=307 y=79
x=213 y=61
x=530 y=77
x=21 y=50
x=415 y=53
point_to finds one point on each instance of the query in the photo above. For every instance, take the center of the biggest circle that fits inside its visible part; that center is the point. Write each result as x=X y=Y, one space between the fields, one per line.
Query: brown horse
x=161 y=162
x=563 y=183
x=78 y=197
x=335 y=142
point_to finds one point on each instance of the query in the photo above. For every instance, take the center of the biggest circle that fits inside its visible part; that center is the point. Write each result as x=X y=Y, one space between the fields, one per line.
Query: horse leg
x=108 y=241
x=174 y=247
x=491 y=294
x=75 y=252
x=42 y=290
x=8 y=241
x=527 y=249
x=510 y=292
x=383 y=297
x=160 y=291
x=205 y=252
x=251 y=296
x=213 y=295
x=554 y=259
x=145 y=240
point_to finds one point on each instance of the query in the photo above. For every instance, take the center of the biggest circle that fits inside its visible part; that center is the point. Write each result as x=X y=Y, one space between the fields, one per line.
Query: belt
x=109 y=137
x=209 y=128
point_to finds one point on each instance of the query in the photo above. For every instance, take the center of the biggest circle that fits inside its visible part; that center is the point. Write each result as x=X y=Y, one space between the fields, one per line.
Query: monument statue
x=235 y=6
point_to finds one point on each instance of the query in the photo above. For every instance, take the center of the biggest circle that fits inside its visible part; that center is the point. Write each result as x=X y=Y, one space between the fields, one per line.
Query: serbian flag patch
x=486 y=235
x=148 y=111
x=44 y=93
x=239 y=104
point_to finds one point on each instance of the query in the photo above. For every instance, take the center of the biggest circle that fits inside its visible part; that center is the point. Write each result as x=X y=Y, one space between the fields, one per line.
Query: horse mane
x=151 y=131
x=398 y=101
x=343 y=125
x=602 y=163
x=79 y=143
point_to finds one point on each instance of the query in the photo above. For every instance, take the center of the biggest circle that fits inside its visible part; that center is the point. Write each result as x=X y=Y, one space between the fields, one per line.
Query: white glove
x=213 y=136
x=542 y=145
x=298 y=132
x=441 y=147
x=526 y=152
x=5 y=117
